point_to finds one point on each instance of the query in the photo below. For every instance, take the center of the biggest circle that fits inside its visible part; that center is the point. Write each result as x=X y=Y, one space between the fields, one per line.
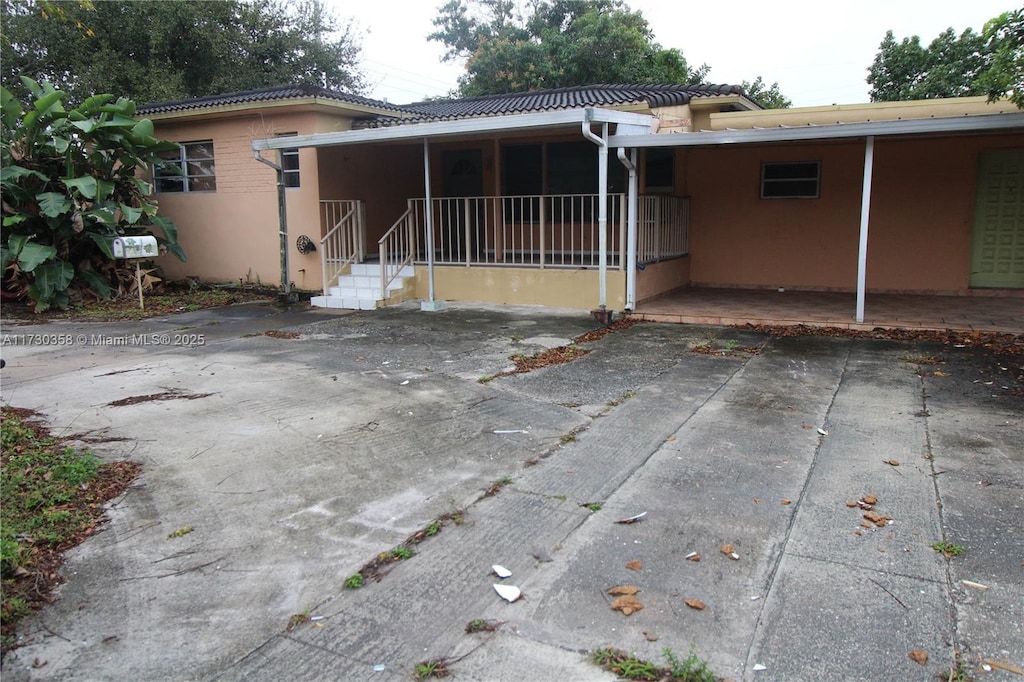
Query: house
x=593 y=197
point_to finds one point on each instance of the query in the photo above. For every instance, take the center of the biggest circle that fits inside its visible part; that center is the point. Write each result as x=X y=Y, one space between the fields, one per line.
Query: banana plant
x=73 y=179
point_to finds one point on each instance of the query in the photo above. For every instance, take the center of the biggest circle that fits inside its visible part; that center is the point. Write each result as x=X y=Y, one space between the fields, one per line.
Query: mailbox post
x=136 y=248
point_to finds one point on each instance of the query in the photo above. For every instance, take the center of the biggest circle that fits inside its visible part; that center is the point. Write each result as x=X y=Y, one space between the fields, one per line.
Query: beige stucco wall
x=233 y=233
x=921 y=216
x=660 y=278
x=523 y=286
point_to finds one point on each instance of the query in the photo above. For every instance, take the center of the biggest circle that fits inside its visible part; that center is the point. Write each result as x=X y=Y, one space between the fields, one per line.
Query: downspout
x=865 y=210
x=630 y=164
x=602 y=209
x=282 y=211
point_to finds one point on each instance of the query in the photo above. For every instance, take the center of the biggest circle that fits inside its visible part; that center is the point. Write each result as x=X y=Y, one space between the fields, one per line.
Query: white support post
x=431 y=304
x=865 y=210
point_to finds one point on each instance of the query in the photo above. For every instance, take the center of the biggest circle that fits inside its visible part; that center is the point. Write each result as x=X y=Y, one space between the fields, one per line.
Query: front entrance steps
x=361 y=289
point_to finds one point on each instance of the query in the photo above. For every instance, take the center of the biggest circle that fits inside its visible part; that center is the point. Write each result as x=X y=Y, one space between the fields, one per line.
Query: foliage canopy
x=159 y=51
x=72 y=180
x=953 y=65
x=557 y=43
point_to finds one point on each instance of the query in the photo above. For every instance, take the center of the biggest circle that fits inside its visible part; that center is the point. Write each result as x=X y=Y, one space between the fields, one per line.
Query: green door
x=997 y=257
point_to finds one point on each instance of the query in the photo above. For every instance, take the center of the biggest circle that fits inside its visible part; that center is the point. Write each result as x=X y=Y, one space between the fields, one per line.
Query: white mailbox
x=135 y=247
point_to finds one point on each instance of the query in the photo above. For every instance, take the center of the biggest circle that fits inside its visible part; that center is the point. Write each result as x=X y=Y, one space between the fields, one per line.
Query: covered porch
x=724 y=306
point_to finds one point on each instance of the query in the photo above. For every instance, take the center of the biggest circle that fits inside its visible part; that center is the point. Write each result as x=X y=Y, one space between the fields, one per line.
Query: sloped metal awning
x=628 y=123
x=866 y=130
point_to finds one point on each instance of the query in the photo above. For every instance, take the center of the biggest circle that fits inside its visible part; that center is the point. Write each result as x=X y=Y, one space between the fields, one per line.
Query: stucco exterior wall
x=660 y=278
x=921 y=215
x=233 y=233
x=383 y=176
x=523 y=286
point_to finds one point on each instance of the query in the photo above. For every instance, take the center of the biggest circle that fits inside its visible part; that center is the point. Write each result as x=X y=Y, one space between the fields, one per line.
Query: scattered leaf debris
x=693 y=556
x=892 y=462
x=627 y=604
x=918 y=656
x=623 y=589
x=633 y=519
x=170 y=394
x=695 y=604
x=281 y=334
x=635 y=565
x=649 y=636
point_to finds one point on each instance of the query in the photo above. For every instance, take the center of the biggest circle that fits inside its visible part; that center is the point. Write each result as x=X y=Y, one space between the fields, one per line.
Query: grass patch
x=948 y=549
x=354 y=582
x=172 y=299
x=631 y=667
x=52 y=497
x=432 y=668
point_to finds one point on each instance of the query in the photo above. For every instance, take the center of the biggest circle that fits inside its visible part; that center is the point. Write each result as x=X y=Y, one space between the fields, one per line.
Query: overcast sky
x=818 y=52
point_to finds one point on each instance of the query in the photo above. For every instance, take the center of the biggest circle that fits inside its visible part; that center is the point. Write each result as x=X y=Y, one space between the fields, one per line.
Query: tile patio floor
x=828 y=309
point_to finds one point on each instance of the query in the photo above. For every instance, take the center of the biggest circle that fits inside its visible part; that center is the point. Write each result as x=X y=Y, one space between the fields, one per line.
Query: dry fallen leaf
x=650 y=636
x=918 y=656
x=695 y=604
x=627 y=603
x=633 y=519
x=757 y=500
x=940 y=373
x=851 y=503
x=623 y=589
x=786 y=501
x=892 y=462
x=693 y=556
x=635 y=565
x=869 y=499
x=727 y=549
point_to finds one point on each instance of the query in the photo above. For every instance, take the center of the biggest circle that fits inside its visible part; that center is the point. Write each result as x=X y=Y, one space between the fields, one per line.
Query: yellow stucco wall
x=660 y=278
x=233 y=233
x=528 y=286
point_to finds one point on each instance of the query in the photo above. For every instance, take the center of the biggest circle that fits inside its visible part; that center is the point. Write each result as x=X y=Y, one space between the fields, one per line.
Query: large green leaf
x=49 y=104
x=103 y=241
x=52 y=204
x=53 y=276
x=94 y=281
x=143 y=130
x=33 y=256
x=14 y=173
x=86 y=185
x=131 y=214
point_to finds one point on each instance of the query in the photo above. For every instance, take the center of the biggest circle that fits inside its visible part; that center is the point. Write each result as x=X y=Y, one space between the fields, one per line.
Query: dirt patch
x=171 y=394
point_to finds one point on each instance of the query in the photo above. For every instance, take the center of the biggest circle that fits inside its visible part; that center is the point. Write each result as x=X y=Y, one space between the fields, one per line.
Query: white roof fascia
x=958 y=124
x=467 y=126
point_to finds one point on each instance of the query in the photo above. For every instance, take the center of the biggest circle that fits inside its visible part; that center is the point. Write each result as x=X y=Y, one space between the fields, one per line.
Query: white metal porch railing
x=343 y=224
x=663 y=228
x=546 y=231
x=398 y=245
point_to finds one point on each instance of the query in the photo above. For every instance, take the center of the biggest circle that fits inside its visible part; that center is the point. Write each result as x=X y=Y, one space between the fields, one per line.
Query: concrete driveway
x=299 y=458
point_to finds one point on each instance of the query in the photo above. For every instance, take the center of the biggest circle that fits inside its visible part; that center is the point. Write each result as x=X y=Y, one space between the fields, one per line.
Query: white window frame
x=291 y=175
x=185 y=164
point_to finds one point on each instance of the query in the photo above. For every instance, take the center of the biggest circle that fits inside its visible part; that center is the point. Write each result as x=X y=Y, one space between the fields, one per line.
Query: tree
x=71 y=181
x=1005 y=42
x=156 y=51
x=951 y=66
x=770 y=97
x=559 y=43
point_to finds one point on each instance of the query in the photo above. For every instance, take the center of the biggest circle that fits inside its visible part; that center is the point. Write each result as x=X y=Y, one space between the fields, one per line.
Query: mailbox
x=135 y=247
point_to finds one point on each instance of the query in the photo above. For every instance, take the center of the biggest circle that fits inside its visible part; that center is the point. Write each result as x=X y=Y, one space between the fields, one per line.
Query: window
x=290 y=164
x=659 y=169
x=189 y=168
x=791 y=180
